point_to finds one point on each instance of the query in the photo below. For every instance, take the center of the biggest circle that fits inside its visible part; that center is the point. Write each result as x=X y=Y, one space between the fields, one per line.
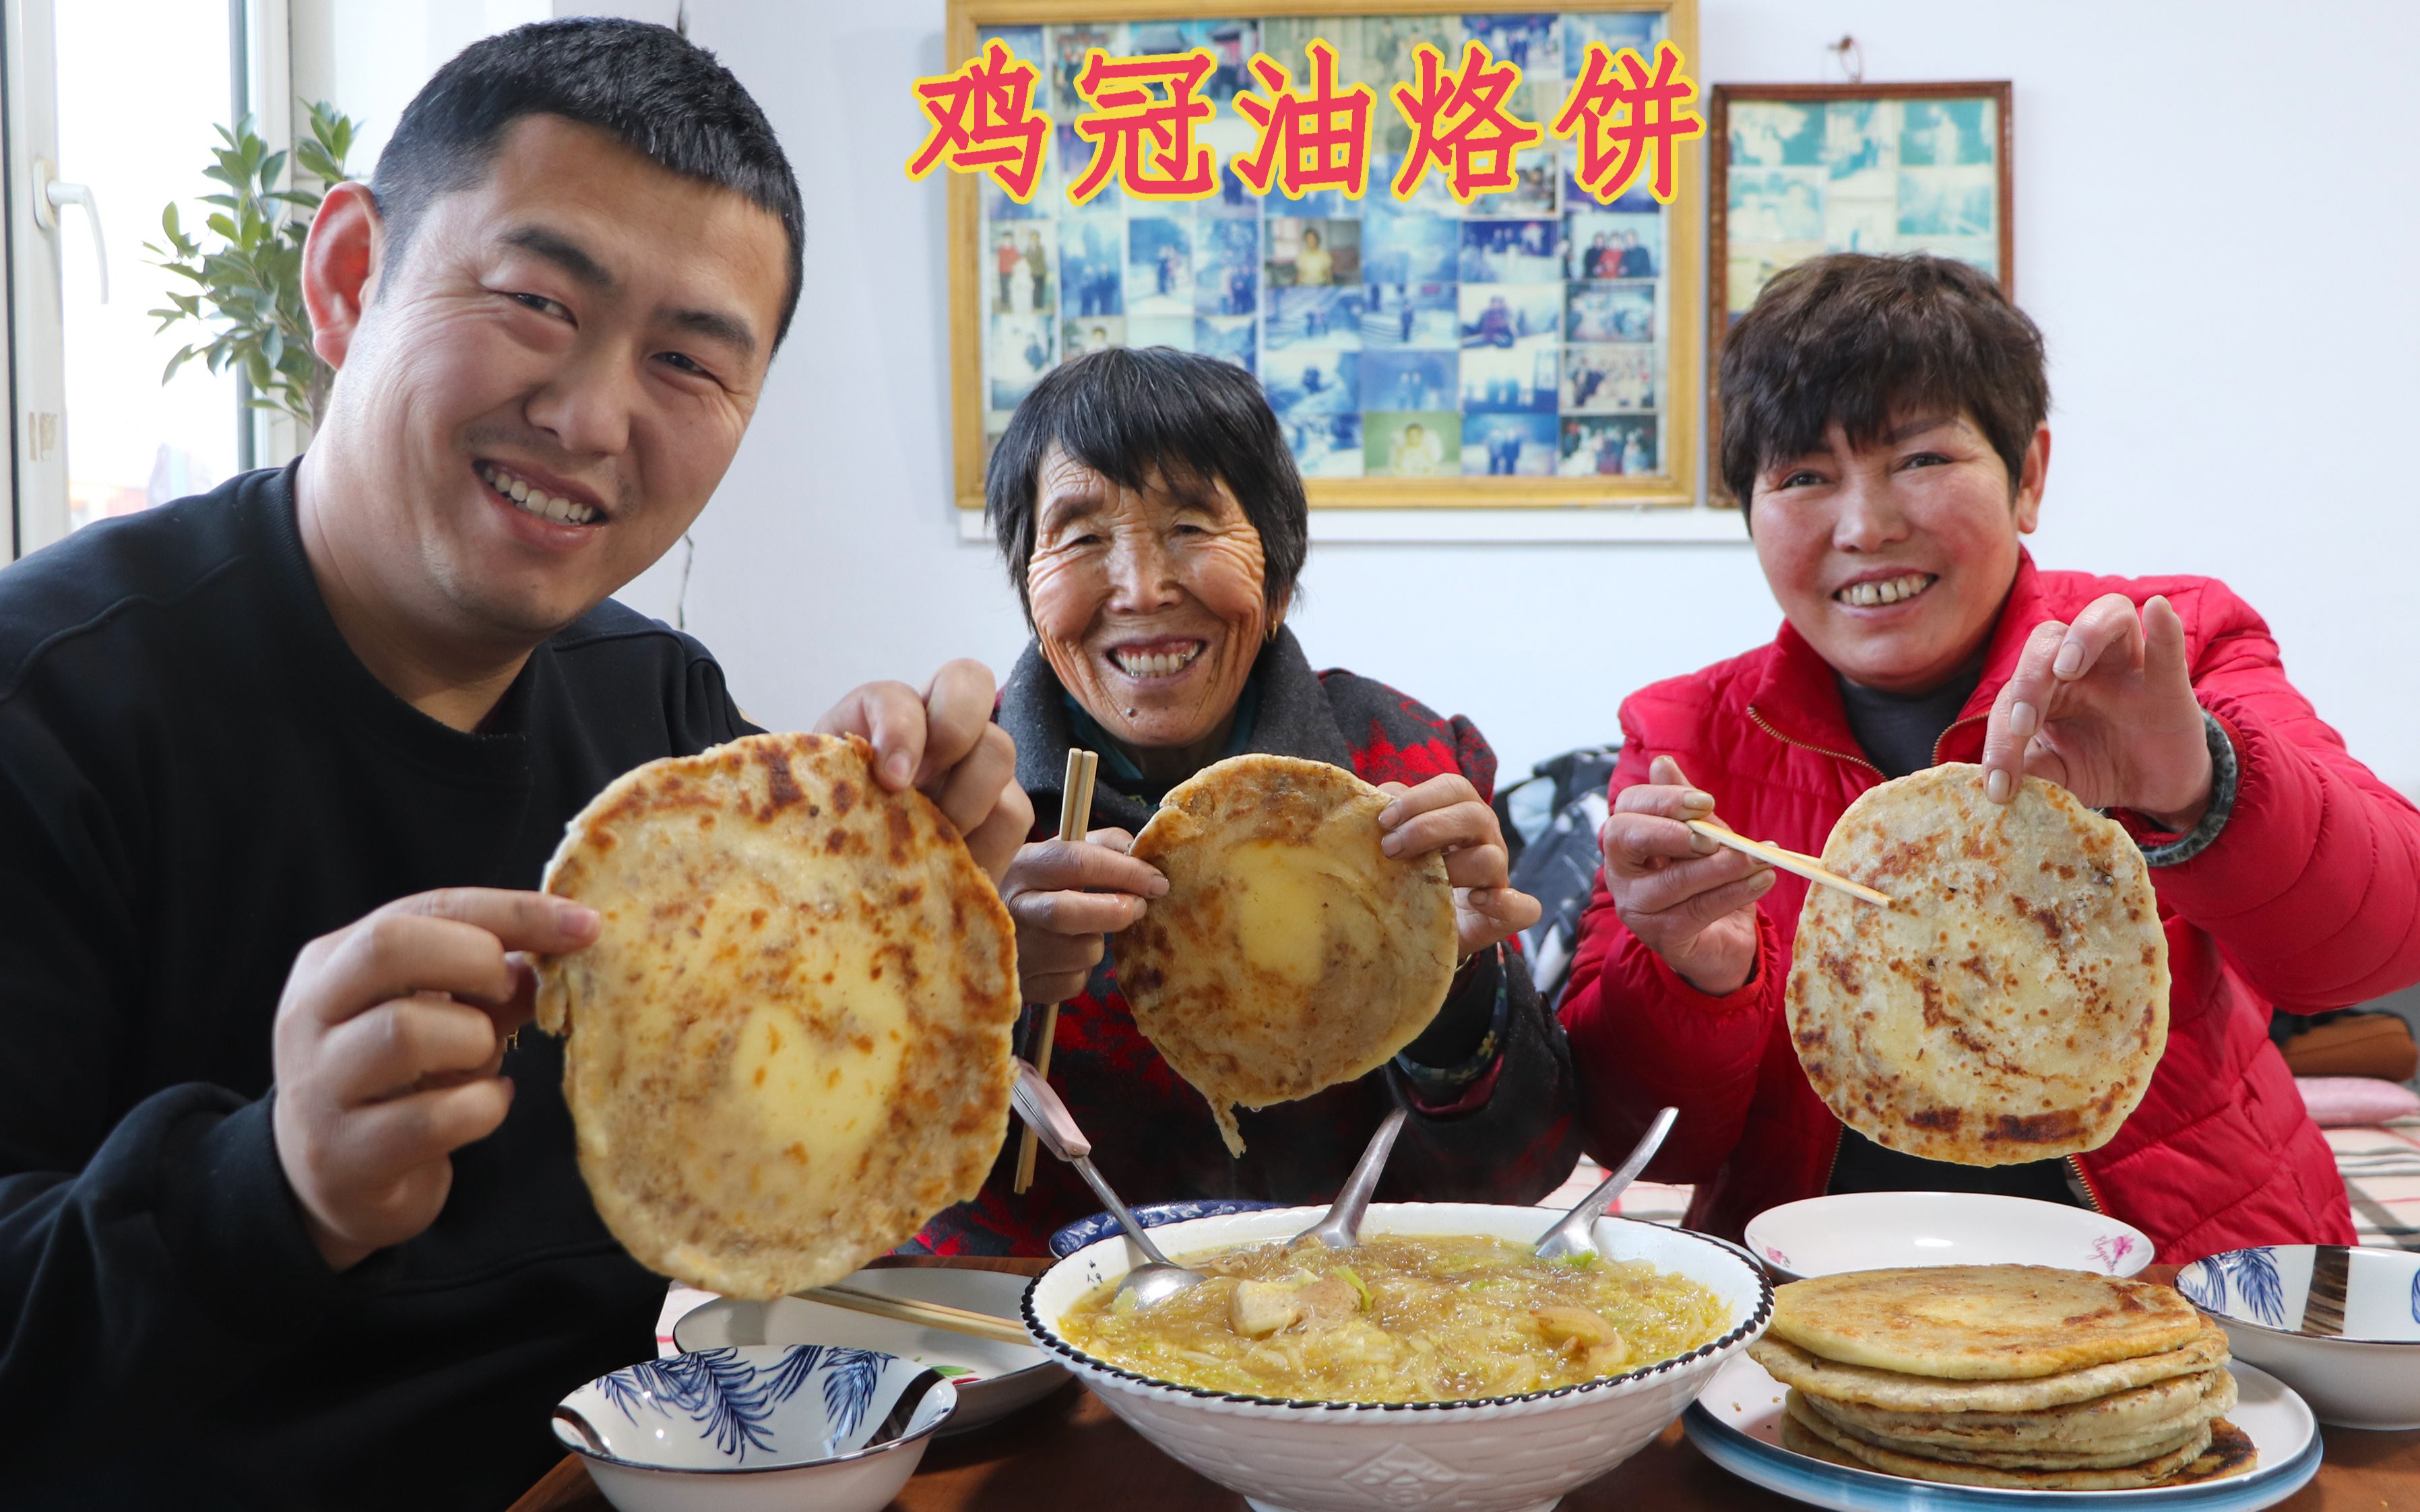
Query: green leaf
x=223 y=201
x=272 y=346
x=183 y=356
x=272 y=166
x=220 y=224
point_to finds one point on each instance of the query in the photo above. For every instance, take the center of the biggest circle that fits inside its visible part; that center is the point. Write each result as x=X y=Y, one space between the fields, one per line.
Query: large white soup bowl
x=1503 y=1454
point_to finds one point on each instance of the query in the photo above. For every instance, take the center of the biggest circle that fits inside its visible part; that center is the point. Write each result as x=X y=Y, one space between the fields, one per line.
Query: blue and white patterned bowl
x=757 y=1428
x=1101 y=1225
x=2339 y=1325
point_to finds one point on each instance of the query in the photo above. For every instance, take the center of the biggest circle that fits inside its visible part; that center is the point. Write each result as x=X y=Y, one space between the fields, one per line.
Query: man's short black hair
x=1128 y=413
x=657 y=91
x=1869 y=340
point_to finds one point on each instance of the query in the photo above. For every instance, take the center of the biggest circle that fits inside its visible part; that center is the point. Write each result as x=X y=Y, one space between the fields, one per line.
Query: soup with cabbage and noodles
x=1400 y=1319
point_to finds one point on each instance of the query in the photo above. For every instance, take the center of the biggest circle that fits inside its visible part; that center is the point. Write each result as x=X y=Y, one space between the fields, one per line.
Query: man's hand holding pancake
x=388 y=1041
x=943 y=743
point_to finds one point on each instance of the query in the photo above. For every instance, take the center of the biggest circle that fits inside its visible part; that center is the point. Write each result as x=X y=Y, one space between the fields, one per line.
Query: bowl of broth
x=1439 y=1362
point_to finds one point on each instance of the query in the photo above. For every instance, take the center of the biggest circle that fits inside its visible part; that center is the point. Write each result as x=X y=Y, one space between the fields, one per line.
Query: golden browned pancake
x=789 y=1045
x=2230 y=1452
x=1898 y=1391
x=1981 y=1322
x=2012 y=1003
x=2142 y=1414
x=1918 y=1467
x=2116 y=1454
x=1290 y=953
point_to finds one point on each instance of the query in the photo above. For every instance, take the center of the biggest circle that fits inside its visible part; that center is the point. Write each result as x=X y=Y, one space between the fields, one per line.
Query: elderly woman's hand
x=1066 y=897
x=1446 y=814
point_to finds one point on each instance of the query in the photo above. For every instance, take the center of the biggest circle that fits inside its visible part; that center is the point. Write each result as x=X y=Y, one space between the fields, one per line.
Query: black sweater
x=197 y=777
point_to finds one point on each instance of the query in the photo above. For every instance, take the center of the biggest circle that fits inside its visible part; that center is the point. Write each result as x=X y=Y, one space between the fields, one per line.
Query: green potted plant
x=247 y=288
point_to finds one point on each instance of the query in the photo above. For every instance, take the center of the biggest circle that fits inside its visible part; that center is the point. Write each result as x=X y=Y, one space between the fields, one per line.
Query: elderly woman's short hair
x=1869 y=341
x=1128 y=414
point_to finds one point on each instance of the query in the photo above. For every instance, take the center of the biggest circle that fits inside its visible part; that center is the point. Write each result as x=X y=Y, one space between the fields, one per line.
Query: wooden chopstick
x=1792 y=861
x=929 y=1314
x=1075 y=815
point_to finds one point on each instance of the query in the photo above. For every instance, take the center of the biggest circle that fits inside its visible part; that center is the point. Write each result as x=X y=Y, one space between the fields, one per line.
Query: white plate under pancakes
x=1736 y=1423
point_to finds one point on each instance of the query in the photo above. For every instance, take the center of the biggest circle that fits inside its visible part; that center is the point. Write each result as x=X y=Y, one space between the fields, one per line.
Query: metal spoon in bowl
x=1574 y=1233
x=1341 y=1227
x=1158 y=1277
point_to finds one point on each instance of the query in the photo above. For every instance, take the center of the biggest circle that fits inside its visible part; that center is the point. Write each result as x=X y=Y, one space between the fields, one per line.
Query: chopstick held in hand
x=1074 y=814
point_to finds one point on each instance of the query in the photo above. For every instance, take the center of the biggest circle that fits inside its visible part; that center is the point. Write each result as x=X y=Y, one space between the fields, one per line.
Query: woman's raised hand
x=1688 y=900
x=1446 y=814
x=2105 y=707
x=1066 y=897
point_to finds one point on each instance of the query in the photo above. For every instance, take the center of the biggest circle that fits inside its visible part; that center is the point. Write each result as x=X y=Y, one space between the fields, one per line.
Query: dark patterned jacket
x=1503 y=1127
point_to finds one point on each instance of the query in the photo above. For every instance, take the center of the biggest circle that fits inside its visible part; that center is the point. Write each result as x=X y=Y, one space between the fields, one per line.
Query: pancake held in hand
x=1290 y=953
x=2012 y=1002
x=1894 y=1391
x=789 y=1045
x=1981 y=1322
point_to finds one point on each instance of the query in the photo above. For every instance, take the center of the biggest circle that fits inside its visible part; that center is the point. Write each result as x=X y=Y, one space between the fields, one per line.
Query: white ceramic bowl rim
x=1747 y=1328
x=2238 y=1321
x=884 y=1446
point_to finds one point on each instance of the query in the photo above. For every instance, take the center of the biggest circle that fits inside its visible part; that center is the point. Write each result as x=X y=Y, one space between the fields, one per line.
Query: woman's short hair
x=1867 y=341
x=1127 y=413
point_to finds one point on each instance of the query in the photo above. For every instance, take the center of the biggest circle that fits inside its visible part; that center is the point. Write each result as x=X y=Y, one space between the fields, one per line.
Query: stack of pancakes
x=2011 y=1376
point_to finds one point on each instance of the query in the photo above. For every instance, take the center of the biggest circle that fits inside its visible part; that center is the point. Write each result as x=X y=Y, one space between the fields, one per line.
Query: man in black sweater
x=284 y=1219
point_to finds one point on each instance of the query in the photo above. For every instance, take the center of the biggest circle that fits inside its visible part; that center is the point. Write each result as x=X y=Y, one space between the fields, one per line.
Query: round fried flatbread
x=1290 y=953
x=1981 y=1322
x=2142 y=1414
x=1915 y=1467
x=2012 y=1003
x=789 y=1046
x=2115 y=1455
x=1897 y=1391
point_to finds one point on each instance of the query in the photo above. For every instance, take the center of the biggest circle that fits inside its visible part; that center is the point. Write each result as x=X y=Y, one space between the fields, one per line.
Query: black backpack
x=1550 y=820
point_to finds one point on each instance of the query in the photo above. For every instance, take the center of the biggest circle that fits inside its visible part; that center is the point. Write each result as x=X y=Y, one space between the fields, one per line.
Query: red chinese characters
x=1321 y=142
x=1620 y=115
x=1141 y=127
x=1459 y=123
x=983 y=122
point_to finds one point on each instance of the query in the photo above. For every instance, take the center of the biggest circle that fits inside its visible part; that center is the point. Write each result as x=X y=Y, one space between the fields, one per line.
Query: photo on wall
x=1422 y=341
x=1797 y=171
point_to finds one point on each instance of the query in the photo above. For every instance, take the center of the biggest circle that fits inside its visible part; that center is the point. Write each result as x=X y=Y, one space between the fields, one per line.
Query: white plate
x=1872 y=1230
x=1736 y=1422
x=993 y=1378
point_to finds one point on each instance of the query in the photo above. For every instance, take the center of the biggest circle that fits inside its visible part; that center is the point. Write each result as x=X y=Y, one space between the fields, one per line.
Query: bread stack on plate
x=2012 y=1376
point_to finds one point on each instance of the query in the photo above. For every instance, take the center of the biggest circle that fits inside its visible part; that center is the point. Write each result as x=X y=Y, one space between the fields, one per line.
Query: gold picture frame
x=987 y=282
x=1813 y=138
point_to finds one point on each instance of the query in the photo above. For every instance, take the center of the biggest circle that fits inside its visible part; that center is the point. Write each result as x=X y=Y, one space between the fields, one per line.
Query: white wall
x=2227 y=303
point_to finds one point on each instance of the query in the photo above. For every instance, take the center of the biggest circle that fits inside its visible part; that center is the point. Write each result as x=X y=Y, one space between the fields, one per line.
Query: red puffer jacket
x=2308 y=900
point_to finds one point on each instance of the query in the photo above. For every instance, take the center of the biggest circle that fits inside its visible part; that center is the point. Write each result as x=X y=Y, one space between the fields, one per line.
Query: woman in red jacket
x=1882 y=424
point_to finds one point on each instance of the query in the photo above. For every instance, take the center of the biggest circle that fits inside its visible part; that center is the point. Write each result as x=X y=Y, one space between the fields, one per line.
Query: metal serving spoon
x=1574 y=1233
x=1158 y=1277
x=1341 y=1227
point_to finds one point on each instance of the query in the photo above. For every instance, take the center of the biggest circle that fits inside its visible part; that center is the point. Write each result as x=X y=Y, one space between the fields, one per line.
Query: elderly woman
x=1154 y=524
x=1884 y=428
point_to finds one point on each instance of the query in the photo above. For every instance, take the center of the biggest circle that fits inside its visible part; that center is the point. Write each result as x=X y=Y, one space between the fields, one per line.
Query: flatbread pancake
x=2141 y=1414
x=789 y=1046
x=1981 y=1322
x=2012 y=1003
x=1897 y=1391
x=1847 y=1450
x=2113 y=1456
x=1290 y=953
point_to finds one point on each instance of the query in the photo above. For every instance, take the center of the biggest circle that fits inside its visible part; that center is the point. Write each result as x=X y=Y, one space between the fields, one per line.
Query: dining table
x=1035 y=1460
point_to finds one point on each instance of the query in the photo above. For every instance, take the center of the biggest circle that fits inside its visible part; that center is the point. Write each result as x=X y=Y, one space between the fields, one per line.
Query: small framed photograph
x=1800 y=170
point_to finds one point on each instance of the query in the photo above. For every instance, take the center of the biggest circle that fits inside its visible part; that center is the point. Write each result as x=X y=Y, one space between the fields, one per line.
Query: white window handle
x=52 y=195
